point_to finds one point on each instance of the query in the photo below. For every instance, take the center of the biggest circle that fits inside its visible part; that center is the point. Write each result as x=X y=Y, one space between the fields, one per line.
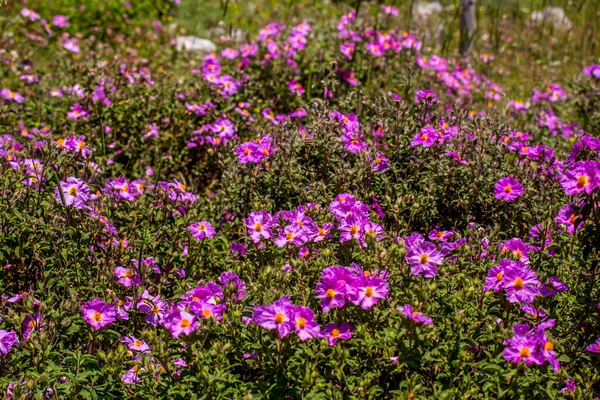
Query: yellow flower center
x=507 y=189
x=279 y=318
x=301 y=322
x=73 y=191
x=97 y=317
x=499 y=276
x=247 y=151
x=354 y=229
x=330 y=293
x=548 y=346
x=137 y=343
x=525 y=352
x=185 y=323
x=582 y=181
x=289 y=236
x=424 y=259
x=335 y=333
x=369 y=292
x=206 y=313
x=258 y=227
x=518 y=253
x=424 y=137
x=518 y=283
x=202 y=227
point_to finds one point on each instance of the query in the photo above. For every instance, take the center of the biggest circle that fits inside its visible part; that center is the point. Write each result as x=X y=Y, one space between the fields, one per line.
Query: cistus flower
x=136 y=344
x=202 y=230
x=127 y=277
x=131 y=376
x=496 y=276
x=508 y=189
x=180 y=322
x=426 y=137
x=416 y=316
x=521 y=284
x=335 y=332
x=423 y=258
x=304 y=323
x=32 y=323
x=277 y=316
x=367 y=291
x=75 y=193
x=7 y=340
x=98 y=314
x=593 y=348
x=259 y=225
x=523 y=347
x=570 y=217
x=583 y=176
x=552 y=286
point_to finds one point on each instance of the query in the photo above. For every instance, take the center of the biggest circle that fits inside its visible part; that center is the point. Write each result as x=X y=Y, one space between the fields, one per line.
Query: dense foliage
x=323 y=211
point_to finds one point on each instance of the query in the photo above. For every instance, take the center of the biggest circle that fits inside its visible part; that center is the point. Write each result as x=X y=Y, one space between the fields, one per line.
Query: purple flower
x=408 y=312
x=180 y=322
x=248 y=152
x=277 y=316
x=131 y=376
x=521 y=284
x=335 y=332
x=12 y=96
x=594 y=347
x=259 y=224
x=32 y=15
x=77 y=145
x=508 y=189
x=583 y=176
x=593 y=71
x=439 y=235
x=332 y=292
x=98 y=314
x=522 y=348
x=423 y=258
x=380 y=162
x=127 y=277
x=304 y=323
x=552 y=286
x=32 y=323
x=291 y=234
x=569 y=217
x=7 y=340
x=352 y=227
x=135 y=344
x=365 y=292
x=570 y=383
x=202 y=230
x=426 y=138
x=71 y=45
x=77 y=112
x=426 y=96
x=231 y=280
x=60 y=20
x=496 y=276
x=74 y=191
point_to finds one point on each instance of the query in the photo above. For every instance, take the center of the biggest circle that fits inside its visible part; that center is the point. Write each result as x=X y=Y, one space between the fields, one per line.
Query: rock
x=194 y=43
x=425 y=10
x=554 y=16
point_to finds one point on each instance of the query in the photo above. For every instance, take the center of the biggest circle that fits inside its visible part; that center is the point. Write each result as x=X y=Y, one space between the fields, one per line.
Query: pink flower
x=98 y=314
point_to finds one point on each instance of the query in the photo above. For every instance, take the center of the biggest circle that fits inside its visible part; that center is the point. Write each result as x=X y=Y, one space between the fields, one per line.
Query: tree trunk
x=467 y=27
